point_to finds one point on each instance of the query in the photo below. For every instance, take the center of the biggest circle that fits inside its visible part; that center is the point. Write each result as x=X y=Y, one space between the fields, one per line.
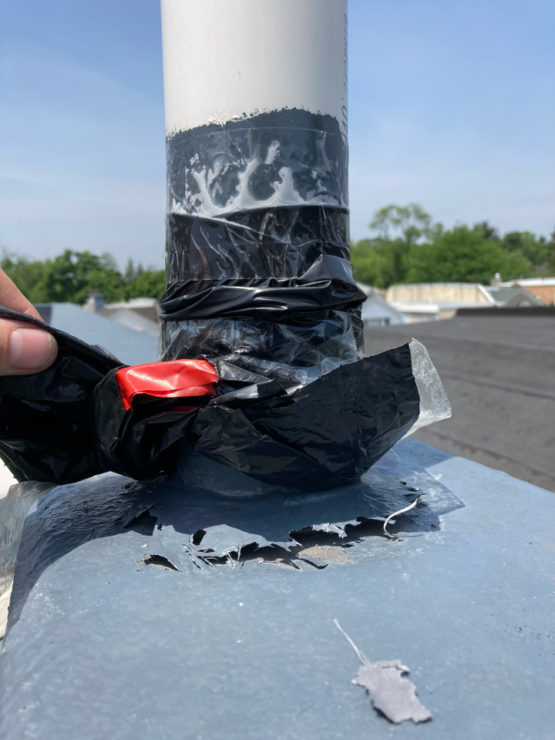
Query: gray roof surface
x=132 y=319
x=103 y=642
x=377 y=307
x=498 y=368
x=506 y=294
x=129 y=346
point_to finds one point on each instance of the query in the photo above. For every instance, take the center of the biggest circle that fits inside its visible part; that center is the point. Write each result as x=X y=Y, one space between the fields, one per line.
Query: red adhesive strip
x=172 y=379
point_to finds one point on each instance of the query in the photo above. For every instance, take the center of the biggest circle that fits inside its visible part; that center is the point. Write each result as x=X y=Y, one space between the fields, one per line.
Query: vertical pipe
x=257 y=226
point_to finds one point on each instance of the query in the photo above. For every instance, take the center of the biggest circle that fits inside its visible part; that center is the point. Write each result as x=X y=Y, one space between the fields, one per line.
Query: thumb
x=25 y=349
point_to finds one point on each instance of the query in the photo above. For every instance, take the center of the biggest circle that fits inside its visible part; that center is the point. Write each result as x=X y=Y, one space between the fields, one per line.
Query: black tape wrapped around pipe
x=271 y=297
x=257 y=232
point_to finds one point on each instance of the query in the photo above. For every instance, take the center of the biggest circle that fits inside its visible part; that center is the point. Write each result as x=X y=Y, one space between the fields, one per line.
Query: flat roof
x=498 y=369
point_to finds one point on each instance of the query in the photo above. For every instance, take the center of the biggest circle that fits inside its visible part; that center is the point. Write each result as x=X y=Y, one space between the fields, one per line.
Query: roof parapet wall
x=438 y=293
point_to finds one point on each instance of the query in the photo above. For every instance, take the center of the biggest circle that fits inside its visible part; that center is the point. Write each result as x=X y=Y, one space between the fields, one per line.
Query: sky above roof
x=451 y=105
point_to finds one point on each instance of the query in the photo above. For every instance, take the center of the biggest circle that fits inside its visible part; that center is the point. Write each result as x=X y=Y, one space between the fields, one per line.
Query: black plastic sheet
x=47 y=428
x=68 y=422
x=326 y=434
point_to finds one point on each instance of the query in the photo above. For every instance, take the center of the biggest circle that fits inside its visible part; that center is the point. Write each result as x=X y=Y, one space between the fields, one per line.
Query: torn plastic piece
x=391 y=517
x=391 y=692
x=327 y=433
x=177 y=379
x=434 y=404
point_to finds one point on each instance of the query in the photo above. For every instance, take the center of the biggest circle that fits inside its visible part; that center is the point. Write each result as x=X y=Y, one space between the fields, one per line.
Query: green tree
x=370 y=265
x=408 y=223
x=550 y=254
x=464 y=255
x=383 y=259
x=109 y=282
x=488 y=231
x=71 y=276
x=25 y=273
x=132 y=271
x=532 y=248
x=147 y=284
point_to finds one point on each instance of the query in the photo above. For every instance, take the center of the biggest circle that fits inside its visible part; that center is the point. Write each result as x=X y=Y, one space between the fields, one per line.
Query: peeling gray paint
x=391 y=692
x=159 y=561
x=207 y=514
x=389 y=689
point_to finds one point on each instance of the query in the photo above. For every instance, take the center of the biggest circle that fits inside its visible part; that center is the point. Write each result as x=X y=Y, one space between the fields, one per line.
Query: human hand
x=24 y=349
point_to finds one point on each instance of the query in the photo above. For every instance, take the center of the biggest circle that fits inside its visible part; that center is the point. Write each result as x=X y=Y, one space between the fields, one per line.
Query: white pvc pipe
x=228 y=59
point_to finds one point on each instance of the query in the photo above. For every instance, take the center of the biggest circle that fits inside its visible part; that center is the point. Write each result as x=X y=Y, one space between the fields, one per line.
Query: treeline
x=408 y=247
x=71 y=276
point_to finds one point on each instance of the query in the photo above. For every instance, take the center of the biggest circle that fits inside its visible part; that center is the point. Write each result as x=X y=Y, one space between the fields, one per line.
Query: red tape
x=172 y=379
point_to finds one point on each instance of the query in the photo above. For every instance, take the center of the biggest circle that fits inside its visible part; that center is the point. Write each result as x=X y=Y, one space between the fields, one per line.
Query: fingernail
x=31 y=349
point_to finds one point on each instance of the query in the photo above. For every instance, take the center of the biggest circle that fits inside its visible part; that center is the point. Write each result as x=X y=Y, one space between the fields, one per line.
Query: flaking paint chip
x=391 y=692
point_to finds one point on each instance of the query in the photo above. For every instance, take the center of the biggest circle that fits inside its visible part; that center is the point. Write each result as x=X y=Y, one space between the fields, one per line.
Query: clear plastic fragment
x=434 y=404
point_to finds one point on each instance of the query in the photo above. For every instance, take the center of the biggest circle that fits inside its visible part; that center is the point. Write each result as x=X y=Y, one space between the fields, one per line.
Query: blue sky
x=450 y=105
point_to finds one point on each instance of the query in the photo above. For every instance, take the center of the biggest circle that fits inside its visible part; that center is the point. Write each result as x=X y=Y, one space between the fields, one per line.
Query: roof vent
x=95 y=302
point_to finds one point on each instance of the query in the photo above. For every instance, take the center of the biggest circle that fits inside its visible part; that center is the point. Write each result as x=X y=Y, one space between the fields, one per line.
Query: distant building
x=541 y=288
x=130 y=346
x=376 y=311
x=140 y=314
x=512 y=297
x=431 y=301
